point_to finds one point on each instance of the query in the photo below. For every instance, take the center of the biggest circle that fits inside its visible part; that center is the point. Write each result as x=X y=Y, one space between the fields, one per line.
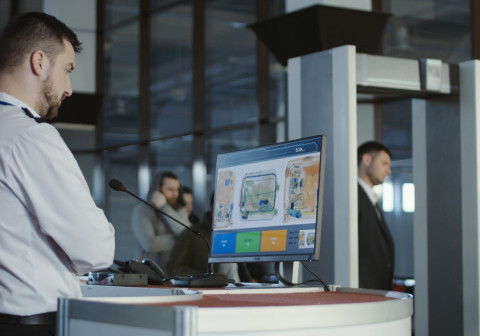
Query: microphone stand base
x=206 y=280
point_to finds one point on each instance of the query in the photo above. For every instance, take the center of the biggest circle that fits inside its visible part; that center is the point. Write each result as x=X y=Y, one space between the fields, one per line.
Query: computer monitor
x=268 y=203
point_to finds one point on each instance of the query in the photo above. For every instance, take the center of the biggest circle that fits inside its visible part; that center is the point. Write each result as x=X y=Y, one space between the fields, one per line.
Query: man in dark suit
x=375 y=243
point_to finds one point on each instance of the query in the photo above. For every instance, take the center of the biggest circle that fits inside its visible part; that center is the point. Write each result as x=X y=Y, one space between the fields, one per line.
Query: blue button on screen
x=224 y=243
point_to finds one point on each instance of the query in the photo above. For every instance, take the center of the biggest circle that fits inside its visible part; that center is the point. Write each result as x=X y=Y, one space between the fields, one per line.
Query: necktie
x=379 y=211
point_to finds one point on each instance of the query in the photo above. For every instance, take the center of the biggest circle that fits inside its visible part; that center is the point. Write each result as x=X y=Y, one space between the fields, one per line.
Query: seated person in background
x=190 y=254
x=155 y=233
x=187 y=196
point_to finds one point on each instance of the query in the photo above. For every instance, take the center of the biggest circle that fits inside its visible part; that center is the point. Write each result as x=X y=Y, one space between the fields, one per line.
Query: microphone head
x=116 y=185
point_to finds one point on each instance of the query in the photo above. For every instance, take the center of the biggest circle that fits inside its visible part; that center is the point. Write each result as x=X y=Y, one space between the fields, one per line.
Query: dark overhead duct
x=318 y=28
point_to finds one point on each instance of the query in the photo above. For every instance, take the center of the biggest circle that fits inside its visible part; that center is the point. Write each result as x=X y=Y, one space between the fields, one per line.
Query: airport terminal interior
x=171 y=84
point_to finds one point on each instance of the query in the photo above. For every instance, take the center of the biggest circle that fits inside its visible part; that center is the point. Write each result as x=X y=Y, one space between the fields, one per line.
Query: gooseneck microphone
x=118 y=186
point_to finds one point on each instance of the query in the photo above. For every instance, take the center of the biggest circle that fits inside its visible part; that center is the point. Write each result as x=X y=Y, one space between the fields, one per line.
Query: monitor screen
x=268 y=203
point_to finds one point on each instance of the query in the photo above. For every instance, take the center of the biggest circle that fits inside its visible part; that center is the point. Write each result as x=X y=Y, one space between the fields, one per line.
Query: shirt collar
x=17 y=102
x=368 y=190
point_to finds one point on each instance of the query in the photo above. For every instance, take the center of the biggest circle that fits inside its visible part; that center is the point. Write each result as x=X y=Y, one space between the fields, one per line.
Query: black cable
x=325 y=286
x=291 y=284
x=281 y=278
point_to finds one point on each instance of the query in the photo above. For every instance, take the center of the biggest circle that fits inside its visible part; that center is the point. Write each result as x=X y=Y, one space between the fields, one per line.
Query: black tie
x=379 y=211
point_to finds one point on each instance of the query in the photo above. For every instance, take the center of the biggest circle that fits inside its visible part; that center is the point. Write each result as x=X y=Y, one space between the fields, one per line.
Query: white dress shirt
x=50 y=228
x=369 y=191
x=374 y=198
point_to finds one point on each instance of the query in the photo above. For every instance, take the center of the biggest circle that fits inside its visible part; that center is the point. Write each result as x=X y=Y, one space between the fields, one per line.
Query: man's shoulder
x=15 y=124
x=364 y=201
x=13 y=120
x=21 y=135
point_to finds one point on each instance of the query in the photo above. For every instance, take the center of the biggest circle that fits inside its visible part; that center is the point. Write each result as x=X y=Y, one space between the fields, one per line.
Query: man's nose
x=68 y=89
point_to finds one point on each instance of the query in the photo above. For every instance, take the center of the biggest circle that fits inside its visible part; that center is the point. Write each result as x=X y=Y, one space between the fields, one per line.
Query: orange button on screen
x=274 y=241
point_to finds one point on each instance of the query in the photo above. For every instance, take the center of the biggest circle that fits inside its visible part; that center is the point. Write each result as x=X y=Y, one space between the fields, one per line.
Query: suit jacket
x=375 y=246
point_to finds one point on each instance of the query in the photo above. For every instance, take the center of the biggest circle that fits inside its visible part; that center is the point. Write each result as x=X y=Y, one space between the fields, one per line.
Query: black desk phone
x=156 y=275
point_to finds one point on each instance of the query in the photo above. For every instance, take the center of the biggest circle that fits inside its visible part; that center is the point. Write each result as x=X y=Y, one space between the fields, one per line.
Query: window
x=151 y=118
x=408 y=197
x=388 y=196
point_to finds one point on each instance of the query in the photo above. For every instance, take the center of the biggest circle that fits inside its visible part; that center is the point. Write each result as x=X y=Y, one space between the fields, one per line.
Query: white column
x=294 y=93
x=328 y=106
x=420 y=218
x=345 y=164
x=470 y=156
x=341 y=220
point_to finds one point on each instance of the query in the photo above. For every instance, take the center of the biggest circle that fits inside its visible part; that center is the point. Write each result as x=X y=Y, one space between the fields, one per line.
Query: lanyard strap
x=27 y=113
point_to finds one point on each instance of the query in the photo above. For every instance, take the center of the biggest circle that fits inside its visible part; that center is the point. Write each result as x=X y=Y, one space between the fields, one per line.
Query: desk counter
x=274 y=311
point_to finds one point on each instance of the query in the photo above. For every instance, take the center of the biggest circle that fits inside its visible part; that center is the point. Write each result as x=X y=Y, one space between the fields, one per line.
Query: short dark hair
x=32 y=31
x=371 y=147
x=165 y=175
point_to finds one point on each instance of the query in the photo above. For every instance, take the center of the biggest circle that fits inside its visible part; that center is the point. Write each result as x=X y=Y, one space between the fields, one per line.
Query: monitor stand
x=289 y=270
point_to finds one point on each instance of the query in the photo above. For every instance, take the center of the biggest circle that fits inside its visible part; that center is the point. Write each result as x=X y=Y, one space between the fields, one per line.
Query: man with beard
x=50 y=228
x=155 y=233
x=375 y=243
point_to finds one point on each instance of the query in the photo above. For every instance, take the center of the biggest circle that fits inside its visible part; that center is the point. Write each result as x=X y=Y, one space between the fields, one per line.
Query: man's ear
x=39 y=62
x=366 y=159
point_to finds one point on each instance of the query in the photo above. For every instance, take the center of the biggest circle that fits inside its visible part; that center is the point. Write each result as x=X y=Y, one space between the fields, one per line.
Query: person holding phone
x=155 y=233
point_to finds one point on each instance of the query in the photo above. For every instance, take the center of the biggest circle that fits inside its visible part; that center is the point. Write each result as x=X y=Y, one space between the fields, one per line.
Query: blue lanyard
x=27 y=112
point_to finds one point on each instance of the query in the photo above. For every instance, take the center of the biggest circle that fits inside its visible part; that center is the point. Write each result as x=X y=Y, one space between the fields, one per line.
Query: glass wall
x=122 y=164
x=439 y=29
x=230 y=71
x=118 y=11
x=171 y=71
x=151 y=118
x=175 y=155
x=121 y=85
x=428 y=29
x=13 y=7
